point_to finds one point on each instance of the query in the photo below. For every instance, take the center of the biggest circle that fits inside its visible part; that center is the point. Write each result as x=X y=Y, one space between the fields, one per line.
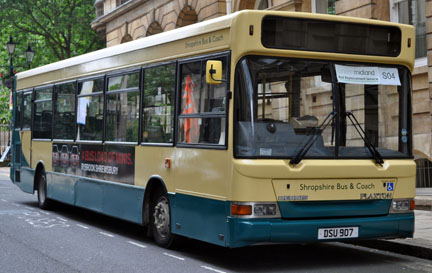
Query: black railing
x=424 y=173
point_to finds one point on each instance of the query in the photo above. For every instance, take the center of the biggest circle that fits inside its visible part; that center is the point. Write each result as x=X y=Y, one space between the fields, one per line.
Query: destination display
x=106 y=162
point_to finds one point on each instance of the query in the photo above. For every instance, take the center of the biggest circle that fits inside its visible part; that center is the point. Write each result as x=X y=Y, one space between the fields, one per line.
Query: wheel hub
x=161 y=217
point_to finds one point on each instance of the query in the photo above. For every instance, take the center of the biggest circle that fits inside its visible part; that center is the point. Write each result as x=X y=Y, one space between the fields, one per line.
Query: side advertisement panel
x=107 y=162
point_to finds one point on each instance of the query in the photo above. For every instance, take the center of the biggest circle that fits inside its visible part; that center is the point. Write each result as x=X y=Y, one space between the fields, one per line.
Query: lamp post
x=29 y=54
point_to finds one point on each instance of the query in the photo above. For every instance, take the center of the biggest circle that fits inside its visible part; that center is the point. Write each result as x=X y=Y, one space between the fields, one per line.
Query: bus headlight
x=402 y=205
x=255 y=209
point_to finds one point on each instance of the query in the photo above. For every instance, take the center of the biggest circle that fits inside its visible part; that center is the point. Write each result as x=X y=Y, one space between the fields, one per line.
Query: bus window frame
x=142 y=82
x=26 y=92
x=228 y=97
x=118 y=91
x=54 y=99
x=77 y=96
x=37 y=88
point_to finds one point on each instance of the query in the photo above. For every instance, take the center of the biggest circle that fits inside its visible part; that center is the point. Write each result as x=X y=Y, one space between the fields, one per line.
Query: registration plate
x=337 y=233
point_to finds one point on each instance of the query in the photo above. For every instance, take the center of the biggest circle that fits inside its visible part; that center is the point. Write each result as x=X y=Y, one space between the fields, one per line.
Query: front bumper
x=245 y=232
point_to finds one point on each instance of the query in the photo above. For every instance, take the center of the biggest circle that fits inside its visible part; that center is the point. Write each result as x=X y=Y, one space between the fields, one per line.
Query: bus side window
x=64 y=111
x=27 y=110
x=202 y=116
x=122 y=108
x=158 y=104
x=42 y=120
x=18 y=110
x=90 y=110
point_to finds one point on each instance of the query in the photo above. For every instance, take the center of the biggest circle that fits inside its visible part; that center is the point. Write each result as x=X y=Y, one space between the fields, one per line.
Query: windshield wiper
x=377 y=156
x=316 y=134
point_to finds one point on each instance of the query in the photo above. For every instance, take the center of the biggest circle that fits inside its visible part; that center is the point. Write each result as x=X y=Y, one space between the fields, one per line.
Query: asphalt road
x=69 y=239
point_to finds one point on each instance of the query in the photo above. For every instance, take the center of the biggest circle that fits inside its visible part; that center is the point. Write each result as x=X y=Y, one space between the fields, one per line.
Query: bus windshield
x=340 y=109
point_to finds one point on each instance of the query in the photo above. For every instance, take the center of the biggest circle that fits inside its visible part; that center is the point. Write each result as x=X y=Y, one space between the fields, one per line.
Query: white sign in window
x=367 y=75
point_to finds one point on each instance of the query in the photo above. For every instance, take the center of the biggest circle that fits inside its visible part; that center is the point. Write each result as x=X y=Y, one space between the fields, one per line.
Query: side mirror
x=214 y=72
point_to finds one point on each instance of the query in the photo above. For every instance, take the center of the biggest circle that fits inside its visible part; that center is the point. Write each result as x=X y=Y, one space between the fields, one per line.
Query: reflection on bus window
x=158 y=114
x=123 y=81
x=90 y=118
x=122 y=116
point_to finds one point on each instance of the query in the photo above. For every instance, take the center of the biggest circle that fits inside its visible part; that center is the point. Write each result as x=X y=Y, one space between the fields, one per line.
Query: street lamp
x=10 y=46
x=29 y=54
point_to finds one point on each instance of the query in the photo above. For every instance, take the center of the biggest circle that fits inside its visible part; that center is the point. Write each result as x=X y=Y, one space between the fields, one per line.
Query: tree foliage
x=55 y=29
x=63 y=25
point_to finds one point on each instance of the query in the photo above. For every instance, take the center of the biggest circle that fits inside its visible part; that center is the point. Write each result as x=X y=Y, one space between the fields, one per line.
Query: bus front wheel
x=43 y=201
x=161 y=220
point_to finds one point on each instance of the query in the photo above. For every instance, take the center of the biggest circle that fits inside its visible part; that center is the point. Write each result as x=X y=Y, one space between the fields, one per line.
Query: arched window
x=154 y=28
x=126 y=38
x=186 y=17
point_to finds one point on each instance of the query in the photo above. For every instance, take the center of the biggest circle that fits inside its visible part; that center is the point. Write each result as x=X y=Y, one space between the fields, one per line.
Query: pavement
x=421 y=245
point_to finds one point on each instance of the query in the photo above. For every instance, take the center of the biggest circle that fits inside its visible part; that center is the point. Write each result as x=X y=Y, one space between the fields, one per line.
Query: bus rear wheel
x=161 y=220
x=43 y=201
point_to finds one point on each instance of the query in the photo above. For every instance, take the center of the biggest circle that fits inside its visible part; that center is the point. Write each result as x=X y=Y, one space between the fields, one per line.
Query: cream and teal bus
x=256 y=127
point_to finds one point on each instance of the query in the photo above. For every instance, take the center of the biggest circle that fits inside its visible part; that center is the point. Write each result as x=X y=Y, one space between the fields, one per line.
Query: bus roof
x=132 y=54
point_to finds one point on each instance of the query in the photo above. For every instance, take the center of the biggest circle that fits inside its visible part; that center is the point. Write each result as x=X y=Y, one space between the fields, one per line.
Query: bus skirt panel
x=115 y=199
x=26 y=180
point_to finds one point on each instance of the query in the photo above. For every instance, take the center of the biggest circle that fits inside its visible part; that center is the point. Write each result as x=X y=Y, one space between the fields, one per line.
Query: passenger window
x=202 y=116
x=27 y=110
x=158 y=114
x=18 y=110
x=42 y=120
x=90 y=110
x=64 y=111
x=122 y=113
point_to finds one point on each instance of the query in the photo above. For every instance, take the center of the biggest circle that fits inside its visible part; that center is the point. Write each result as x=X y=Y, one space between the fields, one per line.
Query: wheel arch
x=40 y=167
x=155 y=182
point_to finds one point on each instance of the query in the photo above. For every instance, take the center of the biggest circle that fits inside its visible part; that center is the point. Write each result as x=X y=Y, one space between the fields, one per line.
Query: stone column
x=429 y=54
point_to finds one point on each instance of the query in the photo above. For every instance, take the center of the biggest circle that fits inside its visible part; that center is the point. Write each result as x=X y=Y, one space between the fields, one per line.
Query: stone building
x=119 y=21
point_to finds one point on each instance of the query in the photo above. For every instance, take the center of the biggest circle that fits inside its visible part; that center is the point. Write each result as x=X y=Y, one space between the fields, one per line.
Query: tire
x=160 y=214
x=43 y=201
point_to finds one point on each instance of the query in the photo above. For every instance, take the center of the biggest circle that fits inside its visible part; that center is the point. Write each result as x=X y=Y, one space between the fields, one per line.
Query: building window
x=158 y=103
x=42 y=121
x=412 y=12
x=99 y=10
x=120 y=2
x=324 y=6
